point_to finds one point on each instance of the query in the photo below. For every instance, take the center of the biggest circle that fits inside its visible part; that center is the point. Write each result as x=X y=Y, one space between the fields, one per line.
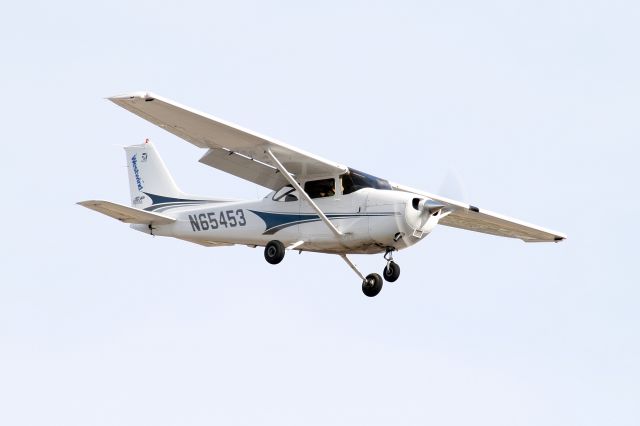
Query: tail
x=150 y=183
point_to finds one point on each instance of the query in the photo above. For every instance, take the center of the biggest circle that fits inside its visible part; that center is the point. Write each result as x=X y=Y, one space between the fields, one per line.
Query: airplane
x=315 y=205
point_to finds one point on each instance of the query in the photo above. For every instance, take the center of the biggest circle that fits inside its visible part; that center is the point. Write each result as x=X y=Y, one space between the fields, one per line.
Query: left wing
x=472 y=218
x=231 y=148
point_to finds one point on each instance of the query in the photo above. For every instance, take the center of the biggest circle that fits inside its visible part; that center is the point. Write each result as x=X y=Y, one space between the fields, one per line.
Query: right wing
x=127 y=214
x=231 y=148
x=466 y=216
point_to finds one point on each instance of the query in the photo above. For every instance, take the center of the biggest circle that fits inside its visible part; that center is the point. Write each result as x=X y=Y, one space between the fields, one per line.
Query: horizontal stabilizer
x=127 y=214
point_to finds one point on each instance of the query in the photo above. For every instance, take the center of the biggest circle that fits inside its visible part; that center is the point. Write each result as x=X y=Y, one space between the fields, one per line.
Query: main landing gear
x=274 y=252
x=371 y=284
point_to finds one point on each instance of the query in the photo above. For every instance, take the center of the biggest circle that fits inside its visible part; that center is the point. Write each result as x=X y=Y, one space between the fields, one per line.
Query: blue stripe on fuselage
x=274 y=222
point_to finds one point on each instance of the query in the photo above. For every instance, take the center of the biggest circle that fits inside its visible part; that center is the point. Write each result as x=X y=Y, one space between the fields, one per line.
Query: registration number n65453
x=215 y=220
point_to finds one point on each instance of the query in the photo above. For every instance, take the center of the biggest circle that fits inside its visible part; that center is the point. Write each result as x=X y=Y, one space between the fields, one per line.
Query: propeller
x=432 y=211
x=452 y=187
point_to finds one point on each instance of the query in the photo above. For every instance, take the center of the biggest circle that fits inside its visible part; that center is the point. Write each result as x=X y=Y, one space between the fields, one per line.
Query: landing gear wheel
x=391 y=272
x=372 y=285
x=274 y=252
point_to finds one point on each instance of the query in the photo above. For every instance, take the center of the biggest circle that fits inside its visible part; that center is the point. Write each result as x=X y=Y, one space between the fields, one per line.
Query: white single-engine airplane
x=315 y=204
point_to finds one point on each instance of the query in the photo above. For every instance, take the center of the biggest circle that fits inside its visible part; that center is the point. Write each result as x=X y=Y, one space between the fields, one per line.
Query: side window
x=320 y=188
x=285 y=194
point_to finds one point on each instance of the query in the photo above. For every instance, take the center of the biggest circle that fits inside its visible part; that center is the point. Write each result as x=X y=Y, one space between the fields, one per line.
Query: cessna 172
x=314 y=205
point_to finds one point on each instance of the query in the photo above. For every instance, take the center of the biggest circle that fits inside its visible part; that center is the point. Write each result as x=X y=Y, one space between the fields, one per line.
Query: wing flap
x=127 y=214
x=471 y=218
x=206 y=131
x=244 y=167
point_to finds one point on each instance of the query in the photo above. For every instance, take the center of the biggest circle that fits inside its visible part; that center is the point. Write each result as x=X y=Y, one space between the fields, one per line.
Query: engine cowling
x=423 y=214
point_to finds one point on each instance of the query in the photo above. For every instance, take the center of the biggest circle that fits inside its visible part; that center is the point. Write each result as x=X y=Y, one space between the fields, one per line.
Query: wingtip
x=141 y=94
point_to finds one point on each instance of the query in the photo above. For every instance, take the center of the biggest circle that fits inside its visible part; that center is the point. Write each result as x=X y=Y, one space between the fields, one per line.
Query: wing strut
x=304 y=195
x=353 y=266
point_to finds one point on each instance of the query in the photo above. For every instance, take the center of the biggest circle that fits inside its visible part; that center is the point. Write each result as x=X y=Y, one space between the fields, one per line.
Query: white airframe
x=315 y=205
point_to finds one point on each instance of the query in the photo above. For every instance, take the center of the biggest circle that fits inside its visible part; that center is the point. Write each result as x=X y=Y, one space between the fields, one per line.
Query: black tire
x=274 y=252
x=391 y=272
x=372 y=285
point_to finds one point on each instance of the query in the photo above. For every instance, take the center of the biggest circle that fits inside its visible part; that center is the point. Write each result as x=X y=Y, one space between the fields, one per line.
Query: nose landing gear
x=391 y=272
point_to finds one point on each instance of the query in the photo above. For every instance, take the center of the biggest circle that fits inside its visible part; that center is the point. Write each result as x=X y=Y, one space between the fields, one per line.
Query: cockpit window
x=320 y=188
x=285 y=194
x=356 y=180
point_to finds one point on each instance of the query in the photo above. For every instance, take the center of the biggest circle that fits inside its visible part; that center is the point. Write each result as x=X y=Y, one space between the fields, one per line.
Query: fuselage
x=371 y=221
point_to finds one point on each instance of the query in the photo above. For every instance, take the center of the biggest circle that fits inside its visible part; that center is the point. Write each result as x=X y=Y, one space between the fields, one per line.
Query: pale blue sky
x=533 y=105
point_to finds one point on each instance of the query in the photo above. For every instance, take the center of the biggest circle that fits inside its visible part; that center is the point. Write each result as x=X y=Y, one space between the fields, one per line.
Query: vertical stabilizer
x=149 y=178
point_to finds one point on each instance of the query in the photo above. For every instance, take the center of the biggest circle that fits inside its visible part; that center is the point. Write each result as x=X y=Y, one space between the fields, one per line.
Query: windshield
x=356 y=180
